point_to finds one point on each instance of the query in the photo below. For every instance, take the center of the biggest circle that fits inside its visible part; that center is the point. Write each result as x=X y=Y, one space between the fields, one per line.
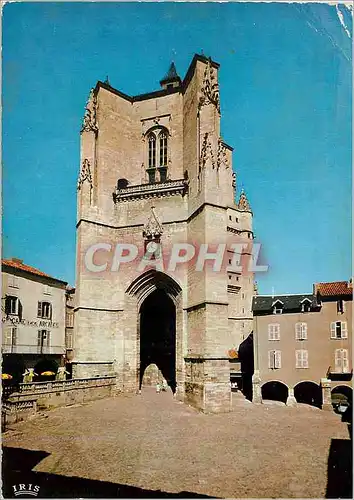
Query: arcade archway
x=308 y=393
x=276 y=391
x=342 y=396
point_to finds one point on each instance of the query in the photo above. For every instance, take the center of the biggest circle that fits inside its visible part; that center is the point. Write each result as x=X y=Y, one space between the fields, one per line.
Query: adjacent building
x=156 y=172
x=303 y=345
x=33 y=319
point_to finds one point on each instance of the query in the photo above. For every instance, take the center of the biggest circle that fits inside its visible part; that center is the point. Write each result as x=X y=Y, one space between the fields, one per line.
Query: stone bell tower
x=155 y=173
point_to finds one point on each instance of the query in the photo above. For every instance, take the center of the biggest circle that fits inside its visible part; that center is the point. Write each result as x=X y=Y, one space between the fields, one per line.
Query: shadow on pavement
x=17 y=468
x=340 y=471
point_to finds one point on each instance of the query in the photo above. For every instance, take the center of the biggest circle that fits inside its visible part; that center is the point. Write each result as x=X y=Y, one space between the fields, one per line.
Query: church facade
x=156 y=183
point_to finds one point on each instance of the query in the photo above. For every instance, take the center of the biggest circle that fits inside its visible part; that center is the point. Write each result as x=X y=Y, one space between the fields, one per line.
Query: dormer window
x=305 y=305
x=278 y=307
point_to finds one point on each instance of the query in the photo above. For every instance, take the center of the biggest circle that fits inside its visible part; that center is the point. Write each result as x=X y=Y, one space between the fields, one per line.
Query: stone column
x=256 y=388
x=291 y=401
x=326 y=394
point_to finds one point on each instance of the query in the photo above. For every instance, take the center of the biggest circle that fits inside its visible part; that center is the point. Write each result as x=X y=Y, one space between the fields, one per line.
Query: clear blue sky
x=285 y=82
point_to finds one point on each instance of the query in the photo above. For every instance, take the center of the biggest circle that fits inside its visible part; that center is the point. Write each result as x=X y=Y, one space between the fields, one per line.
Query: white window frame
x=43 y=339
x=301 y=331
x=341 y=361
x=70 y=319
x=274 y=331
x=68 y=339
x=43 y=311
x=10 y=336
x=342 y=325
x=301 y=358
x=274 y=359
x=13 y=281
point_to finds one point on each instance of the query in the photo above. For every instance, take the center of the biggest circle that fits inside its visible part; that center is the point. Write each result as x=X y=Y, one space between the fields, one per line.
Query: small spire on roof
x=171 y=77
x=243 y=203
x=107 y=81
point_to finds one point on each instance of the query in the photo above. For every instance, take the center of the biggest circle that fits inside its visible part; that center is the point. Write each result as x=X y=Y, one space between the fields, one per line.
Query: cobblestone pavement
x=152 y=442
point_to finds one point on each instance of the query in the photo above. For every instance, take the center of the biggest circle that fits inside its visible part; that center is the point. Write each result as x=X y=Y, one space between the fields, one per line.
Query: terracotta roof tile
x=334 y=288
x=17 y=264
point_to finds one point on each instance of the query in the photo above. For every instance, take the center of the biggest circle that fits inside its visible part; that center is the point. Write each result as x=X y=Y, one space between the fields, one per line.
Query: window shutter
x=7 y=336
x=304 y=330
x=7 y=305
x=305 y=359
x=298 y=359
x=333 y=330
x=277 y=332
x=344 y=330
x=14 y=336
x=39 y=311
x=270 y=359
x=270 y=332
x=338 y=360
x=39 y=338
x=345 y=360
x=277 y=359
x=50 y=311
x=48 y=338
x=298 y=331
x=19 y=309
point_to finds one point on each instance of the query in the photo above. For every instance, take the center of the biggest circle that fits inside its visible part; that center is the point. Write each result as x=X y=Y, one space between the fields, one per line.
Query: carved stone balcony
x=157 y=190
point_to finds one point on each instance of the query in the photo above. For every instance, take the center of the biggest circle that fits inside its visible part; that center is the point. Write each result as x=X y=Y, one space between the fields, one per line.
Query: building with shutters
x=33 y=319
x=303 y=344
x=155 y=172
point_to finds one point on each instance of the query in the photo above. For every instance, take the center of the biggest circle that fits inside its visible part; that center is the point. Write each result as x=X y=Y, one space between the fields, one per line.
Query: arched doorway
x=158 y=335
x=276 y=391
x=308 y=393
x=342 y=397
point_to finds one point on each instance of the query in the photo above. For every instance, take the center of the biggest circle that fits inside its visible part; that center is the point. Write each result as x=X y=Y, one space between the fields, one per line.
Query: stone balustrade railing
x=158 y=189
x=45 y=395
x=65 y=385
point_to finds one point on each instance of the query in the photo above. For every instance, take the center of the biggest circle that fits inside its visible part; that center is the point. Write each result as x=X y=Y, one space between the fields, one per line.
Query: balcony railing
x=64 y=385
x=339 y=374
x=158 y=189
x=32 y=349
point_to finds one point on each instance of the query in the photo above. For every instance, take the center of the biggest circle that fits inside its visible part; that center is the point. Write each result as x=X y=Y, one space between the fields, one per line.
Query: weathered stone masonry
x=154 y=168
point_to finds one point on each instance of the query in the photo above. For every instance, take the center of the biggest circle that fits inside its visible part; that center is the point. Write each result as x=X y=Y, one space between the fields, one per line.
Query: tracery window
x=157 y=155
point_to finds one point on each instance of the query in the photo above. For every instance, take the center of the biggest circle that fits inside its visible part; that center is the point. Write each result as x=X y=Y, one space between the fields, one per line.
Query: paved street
x=152 y=445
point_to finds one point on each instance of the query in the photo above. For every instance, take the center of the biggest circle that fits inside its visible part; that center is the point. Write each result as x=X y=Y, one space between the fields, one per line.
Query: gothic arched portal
x=158 y=335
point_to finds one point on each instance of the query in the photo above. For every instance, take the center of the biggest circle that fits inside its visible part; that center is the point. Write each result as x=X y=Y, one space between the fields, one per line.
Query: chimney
x=16 y=260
